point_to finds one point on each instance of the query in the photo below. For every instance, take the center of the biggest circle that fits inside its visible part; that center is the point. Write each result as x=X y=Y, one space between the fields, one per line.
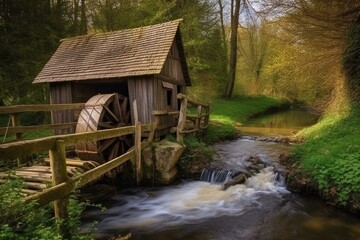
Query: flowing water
x=261 y=208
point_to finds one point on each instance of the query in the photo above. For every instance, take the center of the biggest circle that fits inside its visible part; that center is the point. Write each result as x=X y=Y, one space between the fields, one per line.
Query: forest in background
x=293 y=49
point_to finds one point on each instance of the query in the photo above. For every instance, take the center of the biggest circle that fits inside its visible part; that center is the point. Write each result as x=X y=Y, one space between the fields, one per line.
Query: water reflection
x=281 y=123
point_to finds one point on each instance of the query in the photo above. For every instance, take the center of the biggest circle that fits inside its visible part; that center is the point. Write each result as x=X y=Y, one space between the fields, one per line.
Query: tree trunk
x=83 y=22
x=235 y=10
x=221 y=11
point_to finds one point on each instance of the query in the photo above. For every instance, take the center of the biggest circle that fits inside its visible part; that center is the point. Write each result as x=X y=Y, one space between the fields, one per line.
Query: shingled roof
x=125 y=53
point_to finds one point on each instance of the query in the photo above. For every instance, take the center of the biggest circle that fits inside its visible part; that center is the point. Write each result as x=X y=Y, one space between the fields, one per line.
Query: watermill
x=103 y=111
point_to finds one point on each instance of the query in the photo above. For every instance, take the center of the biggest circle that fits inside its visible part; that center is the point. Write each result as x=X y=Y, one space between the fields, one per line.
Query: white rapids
x=189 y=202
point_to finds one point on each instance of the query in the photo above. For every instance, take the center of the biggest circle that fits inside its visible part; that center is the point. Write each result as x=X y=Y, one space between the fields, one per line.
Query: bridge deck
x=38 y=177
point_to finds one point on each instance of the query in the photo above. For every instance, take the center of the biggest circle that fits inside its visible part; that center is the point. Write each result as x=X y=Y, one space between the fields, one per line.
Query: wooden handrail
x=63 y=189
x=196 y=119
x=62 y=184
x=18 y=149
x=193 y=102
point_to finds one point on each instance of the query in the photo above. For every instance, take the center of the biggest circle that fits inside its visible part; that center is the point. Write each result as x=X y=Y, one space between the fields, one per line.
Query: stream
x=261 y=208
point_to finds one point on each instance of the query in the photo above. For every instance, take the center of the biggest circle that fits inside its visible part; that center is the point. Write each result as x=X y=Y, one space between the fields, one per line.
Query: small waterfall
x=279 y=179
x=215 y=176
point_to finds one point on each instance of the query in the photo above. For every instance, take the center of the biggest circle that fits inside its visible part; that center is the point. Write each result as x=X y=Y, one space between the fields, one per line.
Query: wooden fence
x=199 y=121
x=15 y=111
x=62 y=185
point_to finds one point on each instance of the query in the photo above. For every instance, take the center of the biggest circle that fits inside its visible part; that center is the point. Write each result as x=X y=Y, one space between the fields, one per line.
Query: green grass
x=29 y=135
x=331 y=154
x=225 y=113
x=27 y=119
x=239 y=108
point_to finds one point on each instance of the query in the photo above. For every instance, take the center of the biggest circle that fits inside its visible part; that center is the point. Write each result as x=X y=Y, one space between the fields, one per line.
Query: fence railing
x=14 y=117
x=199 y=120
x=62 y=185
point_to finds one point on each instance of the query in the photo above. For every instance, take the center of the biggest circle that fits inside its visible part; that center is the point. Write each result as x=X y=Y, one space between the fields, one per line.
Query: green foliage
x=239 y=108
x=279 y=63
x=23 y=221
x=351 y=61
x=30 y=32
x=226 y=113
x=196 y=150
x=332 y=154
x=26 y=221
x=29 y=135
x=28 y=36
x=218 y=132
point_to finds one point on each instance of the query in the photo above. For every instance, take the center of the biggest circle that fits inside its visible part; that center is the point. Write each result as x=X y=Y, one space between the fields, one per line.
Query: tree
x=235 y=12
x=253 y=47
x=351 y=61
x=27 y=39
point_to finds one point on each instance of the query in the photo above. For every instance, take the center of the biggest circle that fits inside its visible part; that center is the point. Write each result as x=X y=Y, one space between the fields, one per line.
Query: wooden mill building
x=147 y=64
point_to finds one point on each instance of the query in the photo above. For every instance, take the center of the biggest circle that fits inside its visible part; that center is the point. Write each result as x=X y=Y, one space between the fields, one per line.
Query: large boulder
x=163 y=155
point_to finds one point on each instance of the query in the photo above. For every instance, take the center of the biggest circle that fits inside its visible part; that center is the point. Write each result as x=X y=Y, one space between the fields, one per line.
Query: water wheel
x=103 y=111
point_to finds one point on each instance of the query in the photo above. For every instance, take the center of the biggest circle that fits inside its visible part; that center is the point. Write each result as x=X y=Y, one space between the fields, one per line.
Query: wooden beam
x=137 y=142
x=63 y=189
x=13 y=150
x=170 y=80
x=59 y=175
x=182 y=119
x=152 y=133
x=51 y=194
x=182 y=96
x=165 y=112
x=15 y=120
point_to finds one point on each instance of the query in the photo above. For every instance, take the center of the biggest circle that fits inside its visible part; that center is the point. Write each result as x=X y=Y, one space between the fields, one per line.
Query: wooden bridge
x=57 y=176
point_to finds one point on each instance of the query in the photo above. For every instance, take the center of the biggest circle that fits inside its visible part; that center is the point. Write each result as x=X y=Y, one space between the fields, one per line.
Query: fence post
x=138 y=151
x=59 y=175
x=207 y=115
x=182 y=119
x=137 y=143
x=15 y=120
x=153 y=131
x=198 y=119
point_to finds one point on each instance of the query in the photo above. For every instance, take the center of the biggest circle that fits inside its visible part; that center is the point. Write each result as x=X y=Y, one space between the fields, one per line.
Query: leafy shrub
x=19 y=220
x=195 y=151
x=331 y=155
x=23 y=221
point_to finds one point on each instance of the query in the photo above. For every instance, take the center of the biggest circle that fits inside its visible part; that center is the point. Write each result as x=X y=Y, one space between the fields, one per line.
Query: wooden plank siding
x=62 y=93
x=172 y=67
x=142 y=89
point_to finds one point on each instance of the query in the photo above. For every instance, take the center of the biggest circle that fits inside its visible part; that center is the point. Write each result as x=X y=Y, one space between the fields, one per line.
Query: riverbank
x=225 y=115
x=328 y=162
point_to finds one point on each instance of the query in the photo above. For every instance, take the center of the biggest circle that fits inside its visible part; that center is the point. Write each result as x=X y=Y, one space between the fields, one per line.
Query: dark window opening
x=169 y=97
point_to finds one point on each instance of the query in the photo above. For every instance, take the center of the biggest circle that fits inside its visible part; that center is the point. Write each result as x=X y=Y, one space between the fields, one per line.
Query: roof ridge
x=108 y=33
x=124 y=53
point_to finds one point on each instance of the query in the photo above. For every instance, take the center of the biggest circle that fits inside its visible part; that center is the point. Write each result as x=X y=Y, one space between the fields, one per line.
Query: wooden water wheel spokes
x=104 y=111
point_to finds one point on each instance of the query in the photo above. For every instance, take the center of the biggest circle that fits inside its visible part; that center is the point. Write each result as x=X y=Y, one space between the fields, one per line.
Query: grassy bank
x=228 y=112
x=225 y=114
x=331 y=155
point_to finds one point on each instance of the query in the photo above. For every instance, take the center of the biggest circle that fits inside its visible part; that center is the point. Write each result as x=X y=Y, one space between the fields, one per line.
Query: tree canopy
x=299 y=49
